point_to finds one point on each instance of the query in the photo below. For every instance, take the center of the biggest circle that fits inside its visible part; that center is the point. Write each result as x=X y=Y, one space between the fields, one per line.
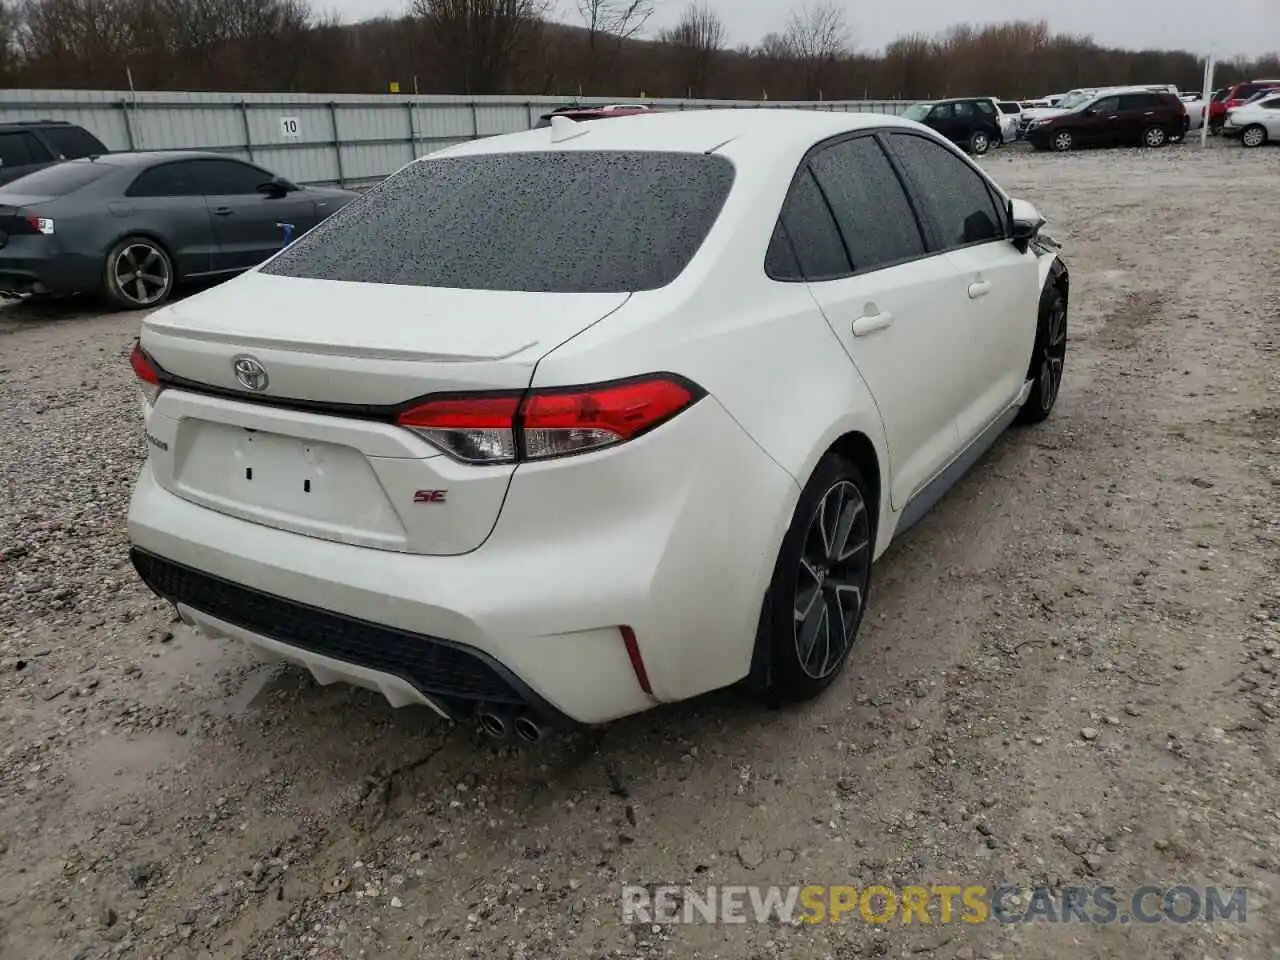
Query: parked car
x=593 y=451
x=30 y=145
x=1197 y=110
x=1062 y=105
x=1116 y=117
x=971 y=122
x=1235 y=96
x=1255 y=123
x=1010 y=111
x=579 y=113
x=132 y=225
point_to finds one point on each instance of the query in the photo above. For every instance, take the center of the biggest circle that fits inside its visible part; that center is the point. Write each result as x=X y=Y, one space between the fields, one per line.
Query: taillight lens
x=477 y=429
x=144 y=369
x=502 y=428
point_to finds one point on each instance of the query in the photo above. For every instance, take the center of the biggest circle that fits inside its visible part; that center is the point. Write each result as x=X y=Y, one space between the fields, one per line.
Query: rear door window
x=555 y=222
x=871 y=209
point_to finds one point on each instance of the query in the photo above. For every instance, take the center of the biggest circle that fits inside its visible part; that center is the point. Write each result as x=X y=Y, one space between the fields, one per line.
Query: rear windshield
x=59 y=179
x=571 y=222
x=73 y=142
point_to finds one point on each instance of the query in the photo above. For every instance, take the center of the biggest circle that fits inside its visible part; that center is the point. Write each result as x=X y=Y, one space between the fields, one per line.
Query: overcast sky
x=1235 y=26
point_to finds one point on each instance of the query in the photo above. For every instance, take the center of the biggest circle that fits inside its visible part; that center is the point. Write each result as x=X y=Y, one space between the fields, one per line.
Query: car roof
x=142 y=158
x=767 y=133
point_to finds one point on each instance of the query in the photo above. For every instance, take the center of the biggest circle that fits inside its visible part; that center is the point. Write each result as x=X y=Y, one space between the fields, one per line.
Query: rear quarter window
x=553 y=222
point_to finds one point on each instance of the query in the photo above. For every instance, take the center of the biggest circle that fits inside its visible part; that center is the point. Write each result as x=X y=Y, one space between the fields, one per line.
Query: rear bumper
x=673 y=535
x=58 y=274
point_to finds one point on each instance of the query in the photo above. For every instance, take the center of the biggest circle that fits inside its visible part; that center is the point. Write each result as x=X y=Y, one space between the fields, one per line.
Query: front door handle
x=222 y=211
x=870 y=323
x=979 y=288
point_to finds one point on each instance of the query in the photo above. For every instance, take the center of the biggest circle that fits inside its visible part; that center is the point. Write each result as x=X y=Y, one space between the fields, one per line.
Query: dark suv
x=1112 y=118
x=971 y=122
x=28 y=145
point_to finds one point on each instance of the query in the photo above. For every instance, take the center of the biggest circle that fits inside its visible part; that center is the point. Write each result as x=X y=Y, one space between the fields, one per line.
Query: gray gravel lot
x=1070 y=675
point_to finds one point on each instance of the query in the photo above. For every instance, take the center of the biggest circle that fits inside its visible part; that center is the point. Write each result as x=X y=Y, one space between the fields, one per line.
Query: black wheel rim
x=832 y=579
x=1054 y=354
x=141 y=273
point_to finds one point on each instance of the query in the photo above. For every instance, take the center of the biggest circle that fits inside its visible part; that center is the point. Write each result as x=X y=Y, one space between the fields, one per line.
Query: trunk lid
x=315 y=451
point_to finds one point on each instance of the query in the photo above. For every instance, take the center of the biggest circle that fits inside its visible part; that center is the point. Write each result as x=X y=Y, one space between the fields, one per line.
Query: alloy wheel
x=142 y=274
x=980 y=143
x=1062 y=142
x=1253 y=137
x=1054 y=354
x=831 y=582
x=1155 y=137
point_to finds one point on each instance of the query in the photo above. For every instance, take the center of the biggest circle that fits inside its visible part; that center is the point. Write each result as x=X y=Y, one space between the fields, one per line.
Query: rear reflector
x=637 y=662
x=505 y=428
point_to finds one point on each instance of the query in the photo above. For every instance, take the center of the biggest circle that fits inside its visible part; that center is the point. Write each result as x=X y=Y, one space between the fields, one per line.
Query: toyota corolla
x=563 y=425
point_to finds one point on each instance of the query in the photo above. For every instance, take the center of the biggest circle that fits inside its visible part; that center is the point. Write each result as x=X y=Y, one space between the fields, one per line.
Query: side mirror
x=275 y=188
x=1025 y=222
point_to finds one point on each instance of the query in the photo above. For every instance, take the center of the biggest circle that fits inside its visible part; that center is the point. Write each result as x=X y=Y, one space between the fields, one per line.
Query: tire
x=1048 y=357
x=1253 y=136
x=137 y=274
x=808 y=575
x=979 y=142
x=1062 y=141
x=1154 y=137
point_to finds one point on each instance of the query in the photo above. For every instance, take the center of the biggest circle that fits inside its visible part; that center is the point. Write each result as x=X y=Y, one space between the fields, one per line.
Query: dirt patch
x=1069 y=676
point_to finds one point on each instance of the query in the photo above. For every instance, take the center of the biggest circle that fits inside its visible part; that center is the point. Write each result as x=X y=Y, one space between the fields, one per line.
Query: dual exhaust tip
x=500 y=725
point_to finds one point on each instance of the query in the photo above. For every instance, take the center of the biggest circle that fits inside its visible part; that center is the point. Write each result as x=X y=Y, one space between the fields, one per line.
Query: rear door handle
x=979 y=288
x=222 y=211
x=870 y=323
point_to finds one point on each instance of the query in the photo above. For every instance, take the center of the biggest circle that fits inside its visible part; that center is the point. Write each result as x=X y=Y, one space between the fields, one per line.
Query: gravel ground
x=1070 y=674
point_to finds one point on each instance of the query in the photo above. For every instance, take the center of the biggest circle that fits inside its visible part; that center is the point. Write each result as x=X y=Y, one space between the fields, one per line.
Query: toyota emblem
x=251 y=374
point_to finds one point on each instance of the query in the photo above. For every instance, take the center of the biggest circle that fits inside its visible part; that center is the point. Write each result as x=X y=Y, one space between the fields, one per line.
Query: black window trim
x=803 y=168
x=933 y=240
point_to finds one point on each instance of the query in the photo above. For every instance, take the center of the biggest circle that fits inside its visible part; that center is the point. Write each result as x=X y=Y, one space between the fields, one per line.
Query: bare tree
x=817 y=35
x=696 y=41
x=476 y=40
x=611 y=23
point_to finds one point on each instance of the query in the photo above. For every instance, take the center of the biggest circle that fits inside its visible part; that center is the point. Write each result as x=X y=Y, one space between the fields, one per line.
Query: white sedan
x=1256 y=123
x=566 y=424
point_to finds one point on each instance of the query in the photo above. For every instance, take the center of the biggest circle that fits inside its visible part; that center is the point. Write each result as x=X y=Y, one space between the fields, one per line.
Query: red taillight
x=559 y=422
x=479 y=429
x=144 y=369
x=502 y=428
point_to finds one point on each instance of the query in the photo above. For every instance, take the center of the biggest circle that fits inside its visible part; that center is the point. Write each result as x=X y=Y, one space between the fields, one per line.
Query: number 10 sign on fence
x=290 y=129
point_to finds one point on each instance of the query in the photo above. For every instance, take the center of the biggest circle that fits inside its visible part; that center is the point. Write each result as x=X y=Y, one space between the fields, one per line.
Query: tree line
x=512 y=46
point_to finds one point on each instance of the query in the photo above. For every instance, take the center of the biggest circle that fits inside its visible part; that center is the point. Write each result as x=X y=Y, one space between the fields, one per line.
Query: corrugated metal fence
x=316 y=138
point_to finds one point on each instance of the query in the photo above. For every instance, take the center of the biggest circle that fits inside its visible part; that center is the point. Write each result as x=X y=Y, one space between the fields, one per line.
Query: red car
x=1235 y=96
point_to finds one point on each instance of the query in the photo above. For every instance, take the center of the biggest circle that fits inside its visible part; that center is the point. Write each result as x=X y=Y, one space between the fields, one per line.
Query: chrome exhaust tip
x=528 y=729
x=493 y=724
